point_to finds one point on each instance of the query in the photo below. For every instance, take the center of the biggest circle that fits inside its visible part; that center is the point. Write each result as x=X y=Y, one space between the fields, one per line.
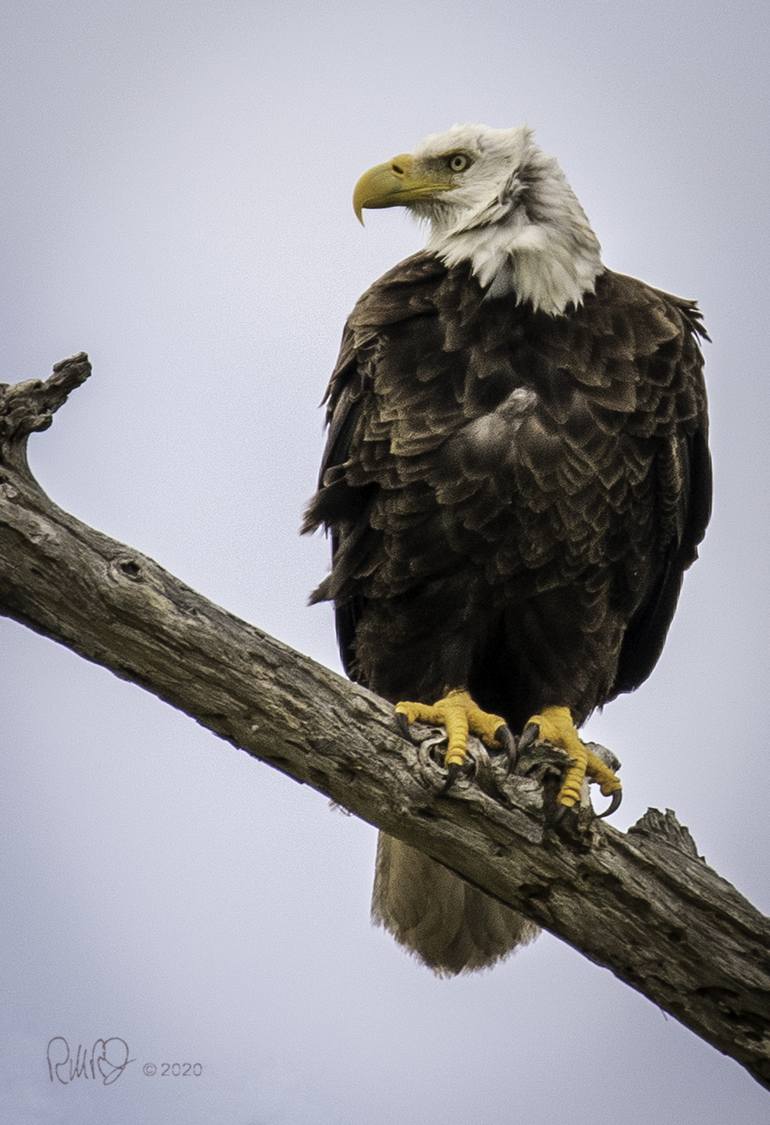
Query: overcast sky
x=176 y=201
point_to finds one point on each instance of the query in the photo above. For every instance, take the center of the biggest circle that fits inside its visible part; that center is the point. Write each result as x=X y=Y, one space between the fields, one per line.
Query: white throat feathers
x=513 y=216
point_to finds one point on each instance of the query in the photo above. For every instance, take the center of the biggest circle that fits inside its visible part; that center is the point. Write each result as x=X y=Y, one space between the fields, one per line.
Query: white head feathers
x=513 y=215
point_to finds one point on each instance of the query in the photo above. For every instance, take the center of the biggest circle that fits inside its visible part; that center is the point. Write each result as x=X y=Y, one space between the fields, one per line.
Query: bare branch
x=643 y=904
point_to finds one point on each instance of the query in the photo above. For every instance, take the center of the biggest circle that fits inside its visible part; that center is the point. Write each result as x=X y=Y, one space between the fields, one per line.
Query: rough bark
x=643 y=904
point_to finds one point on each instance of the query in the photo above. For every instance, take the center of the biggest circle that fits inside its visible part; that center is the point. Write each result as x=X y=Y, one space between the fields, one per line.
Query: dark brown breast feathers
x=483 y=453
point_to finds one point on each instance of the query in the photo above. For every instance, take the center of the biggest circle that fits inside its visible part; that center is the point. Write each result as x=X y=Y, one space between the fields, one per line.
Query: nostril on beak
x=397 y=168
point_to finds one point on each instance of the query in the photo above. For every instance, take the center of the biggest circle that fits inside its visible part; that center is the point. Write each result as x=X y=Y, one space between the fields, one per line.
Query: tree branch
x=642 y=904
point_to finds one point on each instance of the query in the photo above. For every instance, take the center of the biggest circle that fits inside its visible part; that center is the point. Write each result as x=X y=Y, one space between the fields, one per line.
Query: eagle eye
x=458 y=161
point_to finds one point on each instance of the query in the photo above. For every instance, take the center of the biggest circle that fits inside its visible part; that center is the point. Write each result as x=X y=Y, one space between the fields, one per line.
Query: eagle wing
x=404 y=293
x=684 y=486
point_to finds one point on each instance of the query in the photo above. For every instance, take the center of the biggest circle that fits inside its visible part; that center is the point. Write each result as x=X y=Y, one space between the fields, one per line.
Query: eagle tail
x=446 y=923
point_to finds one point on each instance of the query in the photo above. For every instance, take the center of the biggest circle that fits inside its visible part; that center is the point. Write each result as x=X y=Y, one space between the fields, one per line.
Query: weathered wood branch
x=642 y=904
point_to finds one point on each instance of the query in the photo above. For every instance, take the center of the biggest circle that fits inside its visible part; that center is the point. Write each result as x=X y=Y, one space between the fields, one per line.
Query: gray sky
x=176 y=201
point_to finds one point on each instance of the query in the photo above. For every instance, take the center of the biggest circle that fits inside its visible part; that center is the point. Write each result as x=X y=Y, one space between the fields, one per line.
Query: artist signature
x=105 y=1060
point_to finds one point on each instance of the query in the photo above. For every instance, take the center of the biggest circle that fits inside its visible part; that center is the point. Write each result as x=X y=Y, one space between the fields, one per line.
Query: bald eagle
x=516 y=478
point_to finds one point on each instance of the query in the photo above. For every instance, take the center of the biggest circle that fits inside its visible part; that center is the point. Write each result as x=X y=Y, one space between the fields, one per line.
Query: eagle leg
x=555 y=726
x=459 y=715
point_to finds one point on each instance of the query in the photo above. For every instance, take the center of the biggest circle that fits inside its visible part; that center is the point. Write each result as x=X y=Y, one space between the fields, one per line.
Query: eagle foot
x=431 y=743
x=459 y=715
x=555 y=726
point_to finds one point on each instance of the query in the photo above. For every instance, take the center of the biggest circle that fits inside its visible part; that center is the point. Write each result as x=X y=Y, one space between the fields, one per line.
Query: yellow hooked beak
x=397 y=182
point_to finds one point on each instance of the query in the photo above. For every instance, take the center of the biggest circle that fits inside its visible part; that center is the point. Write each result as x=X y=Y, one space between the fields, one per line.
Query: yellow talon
x=458 y=713
x=555 y=725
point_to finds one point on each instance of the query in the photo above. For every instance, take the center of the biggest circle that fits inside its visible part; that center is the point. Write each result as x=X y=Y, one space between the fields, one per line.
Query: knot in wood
x=127 y=567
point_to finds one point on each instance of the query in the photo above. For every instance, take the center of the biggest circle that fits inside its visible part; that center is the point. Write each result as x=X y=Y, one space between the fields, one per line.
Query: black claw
x=453 y=771
x=614 y=805
x=504 y=736
x=565 y=820
x=403 y=725
x=529 y=736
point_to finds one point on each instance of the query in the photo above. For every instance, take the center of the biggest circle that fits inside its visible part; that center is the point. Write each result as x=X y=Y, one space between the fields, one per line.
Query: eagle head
x=492 y=198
